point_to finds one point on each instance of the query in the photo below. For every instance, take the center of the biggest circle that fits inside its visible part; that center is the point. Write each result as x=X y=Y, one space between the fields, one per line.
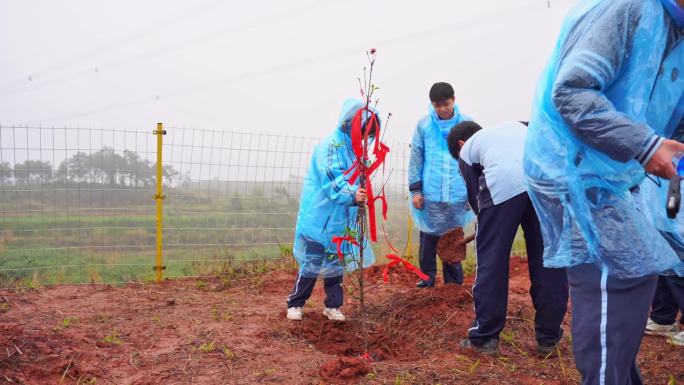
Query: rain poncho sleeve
x=590 y=64
x=334 y=183
x=327 y=213
x=434 y=174
x=416 y=161
x=592 y=124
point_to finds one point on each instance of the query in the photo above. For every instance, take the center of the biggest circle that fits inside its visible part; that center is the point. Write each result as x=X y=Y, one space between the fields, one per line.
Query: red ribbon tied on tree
x=339 y=240
x=360 y=137
x=372 y=226
x=407 y=265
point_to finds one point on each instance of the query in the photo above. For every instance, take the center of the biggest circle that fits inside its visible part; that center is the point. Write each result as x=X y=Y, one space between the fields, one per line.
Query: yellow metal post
x=409 y=236
x=159 y=197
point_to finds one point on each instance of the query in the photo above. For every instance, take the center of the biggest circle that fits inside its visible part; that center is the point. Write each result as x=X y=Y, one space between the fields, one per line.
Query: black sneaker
x=423 y=284
x=546 y=349
x=489 y=348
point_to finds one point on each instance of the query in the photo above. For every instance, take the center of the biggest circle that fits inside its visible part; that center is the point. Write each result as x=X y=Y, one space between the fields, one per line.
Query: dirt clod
x=451 y=247
x=345 y=368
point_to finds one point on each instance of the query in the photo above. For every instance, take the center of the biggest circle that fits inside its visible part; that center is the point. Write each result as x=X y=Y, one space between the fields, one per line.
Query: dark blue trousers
x=668 y=300
x=496 y=229
x=608 y=320
x=304 y=286
x=453 y=273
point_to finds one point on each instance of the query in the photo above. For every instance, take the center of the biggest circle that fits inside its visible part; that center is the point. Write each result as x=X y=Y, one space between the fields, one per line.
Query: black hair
x=462 y=131
x=368 y=123
x=372 y=124
x=440 y=92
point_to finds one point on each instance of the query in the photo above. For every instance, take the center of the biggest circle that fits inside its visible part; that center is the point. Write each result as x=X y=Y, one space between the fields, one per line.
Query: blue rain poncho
x=654 y=190
x=594 y=114
x=435 y=173
x=327 y=206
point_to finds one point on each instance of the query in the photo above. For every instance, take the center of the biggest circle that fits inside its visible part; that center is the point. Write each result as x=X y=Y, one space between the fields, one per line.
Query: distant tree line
x=106 y=167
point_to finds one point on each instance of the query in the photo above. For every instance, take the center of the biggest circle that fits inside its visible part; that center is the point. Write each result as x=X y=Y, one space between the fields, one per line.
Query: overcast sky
x=267 y=66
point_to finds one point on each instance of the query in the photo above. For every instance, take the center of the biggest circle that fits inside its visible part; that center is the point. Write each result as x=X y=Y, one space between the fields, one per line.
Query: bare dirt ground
x=192 y=331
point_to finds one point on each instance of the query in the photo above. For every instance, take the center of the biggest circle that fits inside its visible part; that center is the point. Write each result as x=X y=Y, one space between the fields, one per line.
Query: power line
x=428 y=32
x=181 y=16
x=187 y=43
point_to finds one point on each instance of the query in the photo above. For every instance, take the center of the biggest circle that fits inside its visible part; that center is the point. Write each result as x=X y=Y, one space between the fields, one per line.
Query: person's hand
x=417 y=201
x=661 y=162
x=360 y=196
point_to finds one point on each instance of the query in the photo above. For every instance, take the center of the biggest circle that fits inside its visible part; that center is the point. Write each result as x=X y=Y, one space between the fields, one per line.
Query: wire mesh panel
x=231 y=196
x=234 y=197
x=75 y=205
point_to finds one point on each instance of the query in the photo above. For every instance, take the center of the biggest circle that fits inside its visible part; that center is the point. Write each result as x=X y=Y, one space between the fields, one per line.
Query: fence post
x=409 y=236
x=159 y=197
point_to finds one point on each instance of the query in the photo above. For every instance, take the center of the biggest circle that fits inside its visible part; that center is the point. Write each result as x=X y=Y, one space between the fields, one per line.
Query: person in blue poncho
x=669 y=296
x=438 y=196
x=328 y=209
x=601 y=115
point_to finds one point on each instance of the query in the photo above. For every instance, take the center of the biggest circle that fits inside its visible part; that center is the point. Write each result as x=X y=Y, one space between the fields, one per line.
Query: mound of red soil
x=403 y=326
x=343 y=339
x=344 y=368
x=397 y=276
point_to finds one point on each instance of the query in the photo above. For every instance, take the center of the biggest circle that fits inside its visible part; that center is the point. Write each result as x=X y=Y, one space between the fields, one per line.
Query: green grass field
x=112 y=238
x=97 y=243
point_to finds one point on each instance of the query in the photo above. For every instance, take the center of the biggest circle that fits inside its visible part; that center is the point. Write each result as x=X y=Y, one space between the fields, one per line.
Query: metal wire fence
x=76 y=204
